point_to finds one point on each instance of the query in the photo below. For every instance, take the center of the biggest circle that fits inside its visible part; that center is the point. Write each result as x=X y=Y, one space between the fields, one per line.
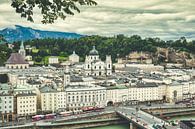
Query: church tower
x=108 y=65
x=66 y=77
x=22 y=50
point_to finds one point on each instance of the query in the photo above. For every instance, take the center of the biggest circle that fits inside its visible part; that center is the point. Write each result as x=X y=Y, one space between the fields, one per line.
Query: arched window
x=89 y=98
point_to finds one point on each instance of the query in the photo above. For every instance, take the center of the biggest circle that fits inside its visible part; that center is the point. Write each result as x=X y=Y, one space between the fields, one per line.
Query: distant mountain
x=19 y=33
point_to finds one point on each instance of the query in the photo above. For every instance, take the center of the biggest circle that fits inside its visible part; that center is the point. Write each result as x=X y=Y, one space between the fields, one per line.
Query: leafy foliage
x=117 y=46
x=51 y=10
x=4 y=50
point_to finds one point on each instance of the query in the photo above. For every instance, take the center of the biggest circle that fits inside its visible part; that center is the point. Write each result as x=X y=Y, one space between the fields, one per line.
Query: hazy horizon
x=165 y=19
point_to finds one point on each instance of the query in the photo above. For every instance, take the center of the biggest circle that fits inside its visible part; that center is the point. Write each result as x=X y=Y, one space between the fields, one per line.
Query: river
x=121 y=126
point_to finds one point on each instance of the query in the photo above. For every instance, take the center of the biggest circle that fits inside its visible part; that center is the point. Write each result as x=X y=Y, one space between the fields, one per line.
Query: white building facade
x=6 y=103
x=53 y=60
x=74 y=58
x=95 y=67
x=83 y=96
x=52 y=100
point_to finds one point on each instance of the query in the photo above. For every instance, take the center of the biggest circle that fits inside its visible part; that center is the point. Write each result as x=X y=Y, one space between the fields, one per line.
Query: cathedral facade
x=94 y=66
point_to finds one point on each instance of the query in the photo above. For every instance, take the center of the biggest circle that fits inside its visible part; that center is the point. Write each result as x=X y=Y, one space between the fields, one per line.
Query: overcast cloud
x=167 y=19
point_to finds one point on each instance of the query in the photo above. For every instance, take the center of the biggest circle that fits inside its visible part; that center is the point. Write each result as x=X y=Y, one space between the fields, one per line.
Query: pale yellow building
x=26 y=104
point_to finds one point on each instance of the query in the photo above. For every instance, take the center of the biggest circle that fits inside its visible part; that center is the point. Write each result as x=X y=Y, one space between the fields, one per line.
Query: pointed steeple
x=22 y=45
x=22 y=50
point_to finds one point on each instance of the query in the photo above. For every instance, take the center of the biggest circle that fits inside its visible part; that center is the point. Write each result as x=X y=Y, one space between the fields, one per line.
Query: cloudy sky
x=167 y=19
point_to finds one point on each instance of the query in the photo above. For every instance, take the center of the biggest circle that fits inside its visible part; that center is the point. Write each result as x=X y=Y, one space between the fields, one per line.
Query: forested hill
x=116 y=46
x=19 y=33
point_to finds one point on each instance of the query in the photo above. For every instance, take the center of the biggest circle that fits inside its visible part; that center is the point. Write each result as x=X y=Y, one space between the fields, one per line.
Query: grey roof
x=16 y=58
x=146 y=84
x=26 y=94
x=76 y=79
x=46 y=89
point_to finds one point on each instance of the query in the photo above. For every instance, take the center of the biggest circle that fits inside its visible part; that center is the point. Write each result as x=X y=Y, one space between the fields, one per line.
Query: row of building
x=35 y=90
x=27 y=99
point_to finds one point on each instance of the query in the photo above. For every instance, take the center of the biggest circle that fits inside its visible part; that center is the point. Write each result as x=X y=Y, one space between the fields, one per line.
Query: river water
x=120 y=126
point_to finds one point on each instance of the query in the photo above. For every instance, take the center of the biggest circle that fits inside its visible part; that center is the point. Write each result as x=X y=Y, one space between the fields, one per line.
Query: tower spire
x=22 y=45
x=22 y=50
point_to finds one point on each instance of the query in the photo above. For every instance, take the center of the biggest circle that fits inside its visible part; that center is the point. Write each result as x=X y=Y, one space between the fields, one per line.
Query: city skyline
x=148 y=18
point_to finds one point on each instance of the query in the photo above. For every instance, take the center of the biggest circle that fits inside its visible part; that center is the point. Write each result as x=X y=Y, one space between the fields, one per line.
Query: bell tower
x=22 y=50
x=108 y=65
x=66 y=77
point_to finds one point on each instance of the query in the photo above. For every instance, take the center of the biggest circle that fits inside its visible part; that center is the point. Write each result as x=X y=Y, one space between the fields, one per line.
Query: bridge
x=140 y=119
x=136 y=119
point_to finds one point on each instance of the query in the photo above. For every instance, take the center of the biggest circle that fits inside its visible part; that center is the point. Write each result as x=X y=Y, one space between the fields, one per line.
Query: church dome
x=93 y=51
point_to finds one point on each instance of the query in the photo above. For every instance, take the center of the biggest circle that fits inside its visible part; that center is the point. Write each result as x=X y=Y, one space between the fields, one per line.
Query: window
x=77 y=98
x=73 y=98
x=94 y=97
x=89 y=98
x=68 y=98
x=85 y=98
x=109 y=66
x=81 y=98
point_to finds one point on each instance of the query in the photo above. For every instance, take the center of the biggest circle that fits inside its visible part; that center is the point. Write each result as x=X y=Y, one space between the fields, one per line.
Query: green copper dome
x=93 y=51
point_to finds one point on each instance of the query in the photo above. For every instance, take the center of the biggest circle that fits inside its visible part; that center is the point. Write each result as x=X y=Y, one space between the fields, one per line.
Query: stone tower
x=66 y=77
x=22 y=50
x=108 y=65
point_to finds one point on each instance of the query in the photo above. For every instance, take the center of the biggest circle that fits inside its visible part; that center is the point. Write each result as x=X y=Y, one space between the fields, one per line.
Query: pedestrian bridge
x=140 y=118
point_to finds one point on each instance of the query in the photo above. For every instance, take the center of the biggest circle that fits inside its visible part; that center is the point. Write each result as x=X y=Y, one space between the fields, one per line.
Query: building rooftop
x=16 y=58
x=117 y=87
x=73 y=54
x=93 y=51
x=84 y=88
x=46 y=89
x=146 y=84
x=26 y=94
x=76 y=79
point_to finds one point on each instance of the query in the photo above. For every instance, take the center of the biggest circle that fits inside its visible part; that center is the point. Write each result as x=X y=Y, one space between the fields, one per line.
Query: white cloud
x=168 y=19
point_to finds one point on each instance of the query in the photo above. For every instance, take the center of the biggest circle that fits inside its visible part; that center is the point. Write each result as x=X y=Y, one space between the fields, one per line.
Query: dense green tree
x=117 y=46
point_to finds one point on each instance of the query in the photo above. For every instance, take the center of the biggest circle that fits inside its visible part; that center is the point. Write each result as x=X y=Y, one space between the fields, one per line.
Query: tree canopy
x=51 y=10
x=117 y=46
